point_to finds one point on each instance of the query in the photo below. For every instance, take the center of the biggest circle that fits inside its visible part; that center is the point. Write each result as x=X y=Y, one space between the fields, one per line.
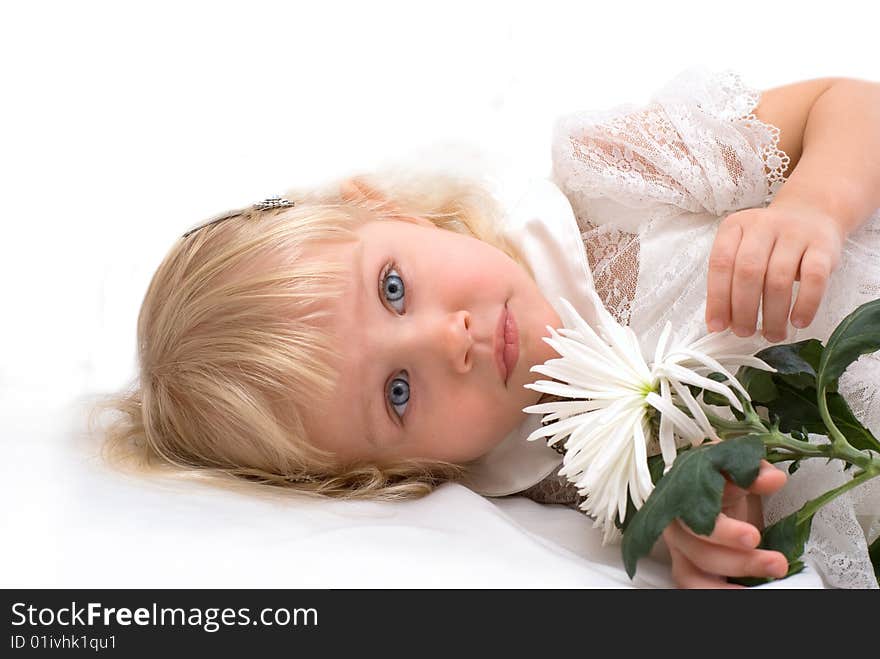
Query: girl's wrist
x=823 y=214
x=833 y=200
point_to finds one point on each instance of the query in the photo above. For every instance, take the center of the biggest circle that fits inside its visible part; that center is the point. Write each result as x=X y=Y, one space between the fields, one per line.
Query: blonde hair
x=231 y=349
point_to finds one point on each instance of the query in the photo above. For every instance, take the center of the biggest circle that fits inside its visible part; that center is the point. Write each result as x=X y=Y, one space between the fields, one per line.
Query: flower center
x=652 y=386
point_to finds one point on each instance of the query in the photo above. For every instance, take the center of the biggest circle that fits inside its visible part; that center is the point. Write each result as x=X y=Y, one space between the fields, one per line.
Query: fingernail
x=798 y=322
x=747 y=540
x=775 y=568
x=715 y=325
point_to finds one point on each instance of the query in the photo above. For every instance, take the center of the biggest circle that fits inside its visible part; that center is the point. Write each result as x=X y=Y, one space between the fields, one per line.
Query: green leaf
x=797 y=409
x=788 y=360
x=842 y=416
x=710 y=397
x=691 y=490
x=795 y=364
x=788 y=537
x=856 y=335
x=759 y=384
x=811 y=351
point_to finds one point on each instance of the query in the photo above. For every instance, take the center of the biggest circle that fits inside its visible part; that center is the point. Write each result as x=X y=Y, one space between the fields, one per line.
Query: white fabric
x=75 y=524
x=72 y=522
x=654 y=182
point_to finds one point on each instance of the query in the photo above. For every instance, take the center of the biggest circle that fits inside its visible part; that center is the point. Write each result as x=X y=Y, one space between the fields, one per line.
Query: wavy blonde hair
x=231 y=350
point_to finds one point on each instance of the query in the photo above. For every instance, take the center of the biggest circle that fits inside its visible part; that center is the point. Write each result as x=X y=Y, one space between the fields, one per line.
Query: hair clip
x=267 y=204
x=273 y=202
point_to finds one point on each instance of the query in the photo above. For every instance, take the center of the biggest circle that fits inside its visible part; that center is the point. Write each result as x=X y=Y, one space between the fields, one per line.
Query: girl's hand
x=758 y=254
x=700 y=561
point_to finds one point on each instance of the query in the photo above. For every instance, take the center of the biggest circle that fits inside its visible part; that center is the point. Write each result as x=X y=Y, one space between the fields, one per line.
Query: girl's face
x=417 y=329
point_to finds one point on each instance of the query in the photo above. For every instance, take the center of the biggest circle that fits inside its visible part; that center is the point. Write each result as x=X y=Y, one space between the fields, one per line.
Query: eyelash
x=386 y=271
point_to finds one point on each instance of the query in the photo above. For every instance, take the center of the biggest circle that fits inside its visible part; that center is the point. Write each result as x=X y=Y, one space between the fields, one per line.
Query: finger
x=729 y=532
x=721 y=262
x=770 y=479
x=687 y=575
x=748 y=279
x=733 y=492
x=722 y=560
x=776 y=303
x=814 y=272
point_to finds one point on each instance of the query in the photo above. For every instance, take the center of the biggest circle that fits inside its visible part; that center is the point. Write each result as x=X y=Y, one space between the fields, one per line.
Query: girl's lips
x=506 y=343
x=511 y=343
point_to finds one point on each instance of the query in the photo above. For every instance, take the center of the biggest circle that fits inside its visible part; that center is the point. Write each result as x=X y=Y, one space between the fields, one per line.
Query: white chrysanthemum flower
x=615 y=390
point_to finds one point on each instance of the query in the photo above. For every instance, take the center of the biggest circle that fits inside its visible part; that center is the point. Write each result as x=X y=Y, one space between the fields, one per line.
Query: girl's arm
x=830 y=128
x=835 y=155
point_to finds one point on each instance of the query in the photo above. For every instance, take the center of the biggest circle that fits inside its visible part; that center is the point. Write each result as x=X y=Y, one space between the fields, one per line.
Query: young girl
x=371 y=338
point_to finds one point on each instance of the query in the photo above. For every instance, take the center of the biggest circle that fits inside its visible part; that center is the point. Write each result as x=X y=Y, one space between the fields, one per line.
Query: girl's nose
x=450 y=337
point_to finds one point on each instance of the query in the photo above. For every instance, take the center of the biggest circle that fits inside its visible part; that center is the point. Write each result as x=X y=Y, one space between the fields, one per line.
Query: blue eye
x=393 y=290
x=392 y=286
x=398 y=393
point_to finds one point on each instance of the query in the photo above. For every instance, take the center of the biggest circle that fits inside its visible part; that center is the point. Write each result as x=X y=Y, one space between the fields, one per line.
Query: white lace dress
x=649 y=185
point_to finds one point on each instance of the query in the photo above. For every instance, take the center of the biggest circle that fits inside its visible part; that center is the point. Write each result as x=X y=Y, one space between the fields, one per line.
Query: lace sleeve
x=696 y=146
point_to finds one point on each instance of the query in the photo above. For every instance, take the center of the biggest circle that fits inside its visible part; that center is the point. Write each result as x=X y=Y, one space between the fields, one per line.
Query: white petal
x=673 y=371
x=714 y=365
x=583 y=447
x=565 y=408
x=562 y=426
x=619 y=446
x=681 y=420
x=694 y=408
x=558 y=389
x=584 y=370
x=744 y=360
x=667 y=440
x=661 y=342
x=619 y=338
x=728 y=342
x=640 y=478
x=574 y=321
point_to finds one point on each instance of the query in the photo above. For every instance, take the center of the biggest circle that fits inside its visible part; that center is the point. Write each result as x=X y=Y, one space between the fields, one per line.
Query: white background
x=122 y=124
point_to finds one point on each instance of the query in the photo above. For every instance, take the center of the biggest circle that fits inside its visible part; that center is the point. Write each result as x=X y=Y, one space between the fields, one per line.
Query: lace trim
x=776 y=161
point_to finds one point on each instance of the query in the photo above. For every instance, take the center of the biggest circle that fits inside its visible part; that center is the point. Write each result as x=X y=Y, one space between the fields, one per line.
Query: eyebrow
x=361 y=296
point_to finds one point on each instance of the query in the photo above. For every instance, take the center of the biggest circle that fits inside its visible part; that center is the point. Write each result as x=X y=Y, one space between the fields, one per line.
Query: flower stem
x=811 y=507
x=833 y=431
x=777 y=456
x=774 y=439
x=799 y=449
x=728 y=428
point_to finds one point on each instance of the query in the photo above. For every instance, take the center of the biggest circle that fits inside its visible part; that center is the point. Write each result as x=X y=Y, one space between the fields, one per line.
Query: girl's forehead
x=334 y=251
x=337 y=268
